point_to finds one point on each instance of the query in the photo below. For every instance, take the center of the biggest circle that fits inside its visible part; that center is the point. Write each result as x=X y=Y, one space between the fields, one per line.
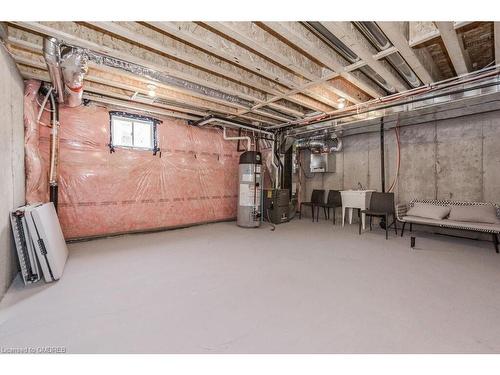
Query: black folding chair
x=382 y=206
x=333 y=201
x=317 y=198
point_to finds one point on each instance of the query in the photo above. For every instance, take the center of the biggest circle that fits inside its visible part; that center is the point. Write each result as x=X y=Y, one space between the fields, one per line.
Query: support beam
x=496 y=37
x=453 y=47
x=353 y=39
x=394 y=31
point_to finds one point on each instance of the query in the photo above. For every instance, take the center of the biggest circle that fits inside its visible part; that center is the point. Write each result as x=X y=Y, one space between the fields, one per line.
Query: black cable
x=273 y=227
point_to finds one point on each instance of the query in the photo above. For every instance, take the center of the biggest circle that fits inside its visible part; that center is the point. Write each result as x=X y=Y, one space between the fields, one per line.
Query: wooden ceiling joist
x=260 y=72
x=303 y=39
x=89 y=38
x=253 y=37
x=496 y=37
x=353 y=39
x=213 y=43
x=454 y=47
x=394 y=31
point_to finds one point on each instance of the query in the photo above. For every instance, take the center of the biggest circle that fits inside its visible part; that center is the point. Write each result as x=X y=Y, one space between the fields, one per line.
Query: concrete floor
x=305 y=288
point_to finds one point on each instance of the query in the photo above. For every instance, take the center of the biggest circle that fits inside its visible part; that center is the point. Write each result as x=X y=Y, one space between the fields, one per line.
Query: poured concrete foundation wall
x=456 y=159
x=11 y=162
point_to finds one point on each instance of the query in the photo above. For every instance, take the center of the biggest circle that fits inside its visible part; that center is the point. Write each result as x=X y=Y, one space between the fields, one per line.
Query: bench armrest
x=401 y=209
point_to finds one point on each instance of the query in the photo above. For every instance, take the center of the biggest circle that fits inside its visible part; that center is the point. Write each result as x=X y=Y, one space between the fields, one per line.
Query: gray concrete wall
x=455 y=159
x=11 y=161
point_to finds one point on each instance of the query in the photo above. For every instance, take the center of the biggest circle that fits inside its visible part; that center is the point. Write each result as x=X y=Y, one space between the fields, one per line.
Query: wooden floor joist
x=268 y=72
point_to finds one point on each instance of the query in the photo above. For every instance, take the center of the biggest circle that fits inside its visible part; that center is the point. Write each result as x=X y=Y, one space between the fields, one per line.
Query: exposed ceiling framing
x=454 y=46
x=278 y=71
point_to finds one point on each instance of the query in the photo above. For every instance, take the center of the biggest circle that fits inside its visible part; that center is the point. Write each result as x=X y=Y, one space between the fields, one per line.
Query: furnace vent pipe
x=240 y=138
x=52 y=54
x=334 y=144
x=236 y=124
x=74 y=67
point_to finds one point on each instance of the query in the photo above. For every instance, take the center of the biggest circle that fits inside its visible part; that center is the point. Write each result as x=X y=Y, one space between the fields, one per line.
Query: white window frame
x=132 y=119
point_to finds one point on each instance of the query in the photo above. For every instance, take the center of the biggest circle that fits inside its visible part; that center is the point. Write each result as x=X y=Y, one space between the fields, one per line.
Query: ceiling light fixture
x=151 y=90
x=341 y=102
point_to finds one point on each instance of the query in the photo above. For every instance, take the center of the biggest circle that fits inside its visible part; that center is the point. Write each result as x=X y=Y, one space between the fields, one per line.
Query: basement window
x=133 y=131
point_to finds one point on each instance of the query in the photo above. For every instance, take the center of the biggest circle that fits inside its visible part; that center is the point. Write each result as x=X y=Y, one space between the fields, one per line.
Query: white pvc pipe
x=242 y=138
x=273 y=157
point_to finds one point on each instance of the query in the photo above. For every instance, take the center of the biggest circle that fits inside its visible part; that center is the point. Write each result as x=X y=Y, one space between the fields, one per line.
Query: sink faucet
x=360 y=187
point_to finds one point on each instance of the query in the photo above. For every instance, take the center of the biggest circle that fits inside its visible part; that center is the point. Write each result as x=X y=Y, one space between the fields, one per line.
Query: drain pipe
x=54 y=146
x=233 y=123
x=239 y=138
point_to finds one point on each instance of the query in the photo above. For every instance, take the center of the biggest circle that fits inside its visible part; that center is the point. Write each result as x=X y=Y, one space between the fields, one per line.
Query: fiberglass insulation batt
x=193 y=180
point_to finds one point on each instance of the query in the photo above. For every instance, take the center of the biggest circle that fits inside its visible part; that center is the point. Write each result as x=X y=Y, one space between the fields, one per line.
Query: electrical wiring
x=44 y=103
x=398 y=156
x=383 y=102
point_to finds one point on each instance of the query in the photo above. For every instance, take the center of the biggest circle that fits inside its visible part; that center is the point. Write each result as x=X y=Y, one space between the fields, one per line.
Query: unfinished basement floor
x=305 y=288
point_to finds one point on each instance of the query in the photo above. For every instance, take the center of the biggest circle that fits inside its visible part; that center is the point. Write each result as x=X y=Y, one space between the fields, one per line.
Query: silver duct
x=52 y=54
x=322 y=144
x=142 y=71
x=74 y=67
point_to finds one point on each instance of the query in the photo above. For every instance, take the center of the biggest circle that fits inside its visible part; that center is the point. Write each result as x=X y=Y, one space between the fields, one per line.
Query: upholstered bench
x=468 y=216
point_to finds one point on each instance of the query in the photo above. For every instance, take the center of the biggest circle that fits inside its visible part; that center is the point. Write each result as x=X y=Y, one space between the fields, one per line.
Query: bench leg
x=386 y=228
x=411 y=227
x=403 y=229
x=495 y=242
x=312 y=210
x=324 y=211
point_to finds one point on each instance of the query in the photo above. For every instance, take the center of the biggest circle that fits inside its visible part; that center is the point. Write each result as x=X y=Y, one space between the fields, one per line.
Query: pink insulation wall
x=194 y=179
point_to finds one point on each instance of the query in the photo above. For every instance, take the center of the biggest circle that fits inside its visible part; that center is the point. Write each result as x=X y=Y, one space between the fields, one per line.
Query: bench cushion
x=430 y=211
x=479 y=227
x=477 y=214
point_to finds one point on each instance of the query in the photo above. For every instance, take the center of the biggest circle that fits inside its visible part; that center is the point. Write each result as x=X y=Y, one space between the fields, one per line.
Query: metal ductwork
x=161 y=77
x=326 y=36
x=67 y=66
x=74 y=67
x=322 y=144
x=378 y=39
x=52 y=55
x=337 y=45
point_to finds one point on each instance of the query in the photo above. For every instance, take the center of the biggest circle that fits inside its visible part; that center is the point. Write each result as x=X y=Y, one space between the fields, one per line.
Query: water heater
x=249 y=191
